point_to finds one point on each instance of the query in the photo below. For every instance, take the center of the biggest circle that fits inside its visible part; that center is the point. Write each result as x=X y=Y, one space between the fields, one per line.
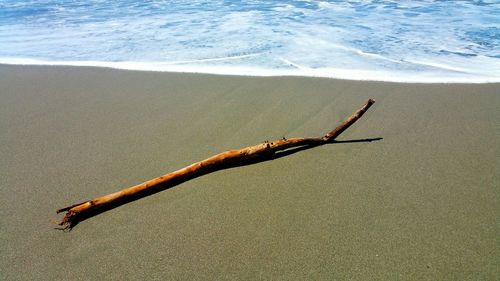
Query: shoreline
x=419 y=204
x=340 y=74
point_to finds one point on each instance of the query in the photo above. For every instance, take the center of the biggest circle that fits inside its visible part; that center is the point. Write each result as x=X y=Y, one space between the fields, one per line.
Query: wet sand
x=420 y=204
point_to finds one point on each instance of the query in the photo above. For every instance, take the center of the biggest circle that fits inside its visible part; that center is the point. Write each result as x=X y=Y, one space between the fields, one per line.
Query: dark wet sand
x=421 y=204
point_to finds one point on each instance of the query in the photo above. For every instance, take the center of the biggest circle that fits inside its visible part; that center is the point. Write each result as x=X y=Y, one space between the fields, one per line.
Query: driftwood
x=244 y=156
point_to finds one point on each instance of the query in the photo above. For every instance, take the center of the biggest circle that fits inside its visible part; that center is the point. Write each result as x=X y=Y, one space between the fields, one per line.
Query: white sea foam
x=403 y=41
x=298 y=70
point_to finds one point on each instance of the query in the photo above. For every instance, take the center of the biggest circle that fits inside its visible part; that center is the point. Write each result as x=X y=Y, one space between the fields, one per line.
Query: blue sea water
x=408 y=41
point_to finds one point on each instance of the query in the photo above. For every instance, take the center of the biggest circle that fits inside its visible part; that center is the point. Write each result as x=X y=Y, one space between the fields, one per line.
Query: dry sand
x=421 y=204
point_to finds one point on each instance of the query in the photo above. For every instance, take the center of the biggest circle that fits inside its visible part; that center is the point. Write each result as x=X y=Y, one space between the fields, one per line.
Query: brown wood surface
x=244 y=156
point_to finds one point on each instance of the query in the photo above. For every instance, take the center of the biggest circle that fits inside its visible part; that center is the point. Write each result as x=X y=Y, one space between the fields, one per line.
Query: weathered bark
x=248 y=155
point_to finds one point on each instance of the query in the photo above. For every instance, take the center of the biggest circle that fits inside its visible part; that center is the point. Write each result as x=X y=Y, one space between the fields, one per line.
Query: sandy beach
x=422 y=203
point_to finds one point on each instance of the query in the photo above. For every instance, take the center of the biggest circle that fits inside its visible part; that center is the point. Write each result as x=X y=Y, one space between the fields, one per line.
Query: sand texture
x=420 y=204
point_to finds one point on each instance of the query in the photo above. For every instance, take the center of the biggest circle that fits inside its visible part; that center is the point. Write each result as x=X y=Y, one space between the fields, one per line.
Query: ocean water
x=405 y=41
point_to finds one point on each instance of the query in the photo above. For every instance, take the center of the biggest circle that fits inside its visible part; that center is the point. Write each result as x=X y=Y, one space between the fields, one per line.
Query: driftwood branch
x=244 y=156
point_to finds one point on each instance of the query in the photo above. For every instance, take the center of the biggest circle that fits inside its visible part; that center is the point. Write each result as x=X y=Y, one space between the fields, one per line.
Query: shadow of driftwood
x=359 y=140
x=161 y=187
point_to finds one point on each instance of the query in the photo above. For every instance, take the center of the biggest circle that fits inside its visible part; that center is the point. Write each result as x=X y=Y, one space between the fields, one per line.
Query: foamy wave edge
x=334 y=73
